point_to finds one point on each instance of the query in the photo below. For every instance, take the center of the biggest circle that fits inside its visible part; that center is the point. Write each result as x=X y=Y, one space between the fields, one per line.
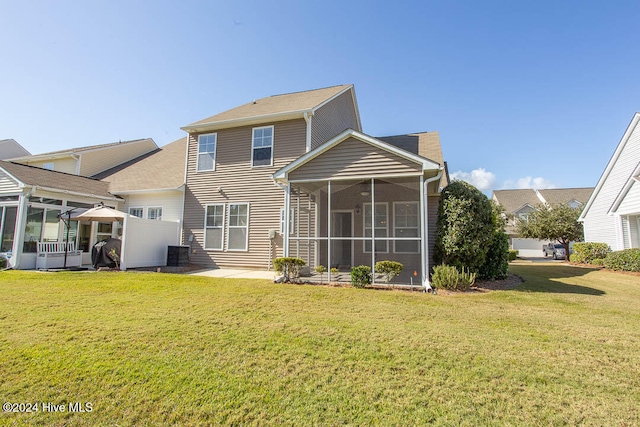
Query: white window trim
x=292 y=228
x=222 y=238
x=215 y=153
x=364 y=228
x=246 y=243
x=417 y=238
x=272 y=145
x=137 y=207
x=155 y=207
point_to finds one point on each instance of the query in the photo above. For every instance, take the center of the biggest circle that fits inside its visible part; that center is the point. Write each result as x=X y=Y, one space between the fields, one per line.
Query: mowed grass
x=154 y=349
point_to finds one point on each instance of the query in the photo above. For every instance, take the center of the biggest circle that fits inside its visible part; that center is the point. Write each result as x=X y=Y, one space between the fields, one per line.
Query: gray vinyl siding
x=432 y=217
x=333 y=118
x=599 y=226
x=353 y=158
x=240 y=183
x=7 y=184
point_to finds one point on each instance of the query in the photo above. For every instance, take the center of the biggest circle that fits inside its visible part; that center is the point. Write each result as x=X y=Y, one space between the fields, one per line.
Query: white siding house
x=612 y=214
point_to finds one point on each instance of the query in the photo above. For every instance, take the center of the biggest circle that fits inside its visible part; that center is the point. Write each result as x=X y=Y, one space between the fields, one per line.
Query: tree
x=553 y=222
x=465 y=227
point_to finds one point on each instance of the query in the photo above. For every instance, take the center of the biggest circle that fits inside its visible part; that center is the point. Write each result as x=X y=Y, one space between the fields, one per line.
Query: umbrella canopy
x=102 y=214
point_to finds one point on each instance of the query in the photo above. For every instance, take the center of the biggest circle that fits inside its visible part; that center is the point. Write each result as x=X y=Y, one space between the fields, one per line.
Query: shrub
x=575 y=258
x=586 y=252
x=3 y=262
x=598 y=261
x=389 y=269
x=448 y=277
x=626 y=260
x=320 y=269
x=496 y=263
x=288 y=266
x=513 y=255
x=361 y=276
x=465 y=227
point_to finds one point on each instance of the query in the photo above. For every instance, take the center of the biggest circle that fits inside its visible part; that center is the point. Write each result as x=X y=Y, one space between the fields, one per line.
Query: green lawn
x=153 y=349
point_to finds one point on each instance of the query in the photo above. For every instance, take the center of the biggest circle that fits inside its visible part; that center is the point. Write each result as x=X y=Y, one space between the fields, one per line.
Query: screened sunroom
x=357 y=200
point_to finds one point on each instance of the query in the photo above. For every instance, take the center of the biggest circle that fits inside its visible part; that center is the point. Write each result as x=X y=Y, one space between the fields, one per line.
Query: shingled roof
x=513 y=200
x=297 y=102
x=425 y=144
x=563 y=195
x=159 y=170
x=57 y=181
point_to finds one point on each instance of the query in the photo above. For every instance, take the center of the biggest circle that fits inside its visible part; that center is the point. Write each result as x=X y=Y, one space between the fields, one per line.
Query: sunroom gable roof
x=422 y=164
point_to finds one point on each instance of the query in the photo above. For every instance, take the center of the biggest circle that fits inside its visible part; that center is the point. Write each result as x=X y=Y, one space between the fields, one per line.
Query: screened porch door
x=341 y=250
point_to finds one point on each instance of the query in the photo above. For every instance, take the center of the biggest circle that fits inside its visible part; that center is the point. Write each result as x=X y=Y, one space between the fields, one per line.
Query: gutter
x=425 y=227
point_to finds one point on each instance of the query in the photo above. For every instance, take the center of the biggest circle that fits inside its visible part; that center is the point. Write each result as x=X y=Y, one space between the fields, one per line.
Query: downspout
x=425 y=226
x=307 y=118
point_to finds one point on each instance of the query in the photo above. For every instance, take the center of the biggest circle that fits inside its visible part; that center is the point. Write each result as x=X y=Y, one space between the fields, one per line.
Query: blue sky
x=522 y=93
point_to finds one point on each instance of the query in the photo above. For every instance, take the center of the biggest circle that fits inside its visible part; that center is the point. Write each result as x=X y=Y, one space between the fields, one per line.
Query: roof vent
x=255 y=102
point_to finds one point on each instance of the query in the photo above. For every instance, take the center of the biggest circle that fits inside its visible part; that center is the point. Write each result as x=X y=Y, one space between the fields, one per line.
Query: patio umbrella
x=102 y=214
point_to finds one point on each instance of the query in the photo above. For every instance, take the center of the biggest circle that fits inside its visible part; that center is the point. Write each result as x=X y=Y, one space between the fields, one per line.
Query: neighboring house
x=612 y=214
x=518 y=205
x=31 y=199
x=151 y=185
x=293 y=175
x=9 y=149
x=91 y=160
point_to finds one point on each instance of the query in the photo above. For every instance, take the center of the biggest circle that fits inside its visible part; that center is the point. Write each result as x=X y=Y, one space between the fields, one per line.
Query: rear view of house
x=294 y=175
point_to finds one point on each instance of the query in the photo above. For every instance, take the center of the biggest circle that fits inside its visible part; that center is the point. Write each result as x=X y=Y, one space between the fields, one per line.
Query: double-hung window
x=238 y=227
x=262 y=147
x=207 y=152
x=139 y=212
x=154 y=213
x=406 y=218
x=214 y=227
x=380 y=226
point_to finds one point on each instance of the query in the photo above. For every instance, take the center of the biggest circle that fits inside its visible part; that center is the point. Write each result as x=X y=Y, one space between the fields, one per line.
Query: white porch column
x=287 y=214
x=424 y=234
x=373 y=232
x=329 y=227
x=18 y=236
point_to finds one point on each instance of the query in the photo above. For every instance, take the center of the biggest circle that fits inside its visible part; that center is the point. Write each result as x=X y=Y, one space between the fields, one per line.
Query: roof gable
x=354 y=154
x=162 y=169
x=276 y=107
x=9 y=149
x=627 y=139
x=79 y=150
x=514 y=200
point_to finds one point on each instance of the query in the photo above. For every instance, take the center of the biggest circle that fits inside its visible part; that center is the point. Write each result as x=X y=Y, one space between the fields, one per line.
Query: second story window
x=262 y=151
x=207 y=152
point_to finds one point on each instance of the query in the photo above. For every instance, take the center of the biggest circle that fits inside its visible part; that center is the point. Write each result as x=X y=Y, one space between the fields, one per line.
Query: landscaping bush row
x=587 y=252
x=289 y=267
x=448 y=277
x=626 y=260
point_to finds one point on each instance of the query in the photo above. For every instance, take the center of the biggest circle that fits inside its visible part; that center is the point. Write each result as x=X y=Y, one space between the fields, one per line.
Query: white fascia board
x=223 y=124
x=612 y=162
x=76 y=193
x=625 y=190
x=426 y=163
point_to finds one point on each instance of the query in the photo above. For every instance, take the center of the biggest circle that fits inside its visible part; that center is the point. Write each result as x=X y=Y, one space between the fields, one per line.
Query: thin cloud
x=480 y=178
x=539 y=183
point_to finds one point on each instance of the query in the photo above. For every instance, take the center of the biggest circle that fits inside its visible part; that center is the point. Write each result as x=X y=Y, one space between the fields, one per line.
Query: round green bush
x=626 y=260
x=3 y=262
x=598 y=261
x=586 y=252
x=361 y=276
